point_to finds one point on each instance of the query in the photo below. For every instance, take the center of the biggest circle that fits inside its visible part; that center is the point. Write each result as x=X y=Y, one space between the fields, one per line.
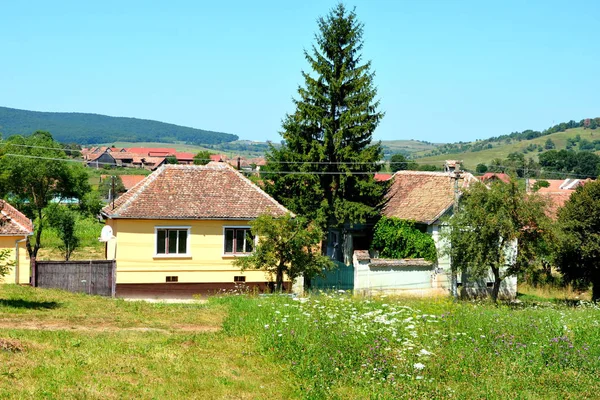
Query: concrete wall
x=400 y=277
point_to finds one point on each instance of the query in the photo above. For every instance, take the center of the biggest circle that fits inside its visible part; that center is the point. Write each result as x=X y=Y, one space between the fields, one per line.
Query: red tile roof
x=422 y=196
x=152 y=151
x=556 y=201
x=13 y=222
x=558 y=193
x=212 y=191
x=495 y=175
x=130 y=181
x=560 y=185
x=382 y=177
x=181 y=156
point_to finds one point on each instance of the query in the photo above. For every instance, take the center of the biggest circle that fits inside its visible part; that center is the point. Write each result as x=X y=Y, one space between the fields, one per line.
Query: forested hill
x=95 y=128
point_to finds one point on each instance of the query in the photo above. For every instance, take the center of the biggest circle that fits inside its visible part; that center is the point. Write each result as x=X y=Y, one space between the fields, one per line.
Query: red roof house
x=15 y=227
x=178 y=231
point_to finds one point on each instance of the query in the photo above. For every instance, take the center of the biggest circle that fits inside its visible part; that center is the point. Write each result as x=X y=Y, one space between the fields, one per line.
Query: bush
x=396 y=238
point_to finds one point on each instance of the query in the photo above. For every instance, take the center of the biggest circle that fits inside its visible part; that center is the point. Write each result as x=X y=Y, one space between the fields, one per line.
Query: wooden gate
x=96 y=277
x=341 y=277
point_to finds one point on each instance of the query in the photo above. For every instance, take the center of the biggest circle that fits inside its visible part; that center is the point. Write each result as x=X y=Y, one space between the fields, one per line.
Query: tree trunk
x=38 y=236
x=596 y=287
x=497 y=282
x=279 y=279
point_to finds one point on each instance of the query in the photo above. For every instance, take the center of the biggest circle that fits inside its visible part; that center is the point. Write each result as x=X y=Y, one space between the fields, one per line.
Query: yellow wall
x=24 y=269
x=134 y=247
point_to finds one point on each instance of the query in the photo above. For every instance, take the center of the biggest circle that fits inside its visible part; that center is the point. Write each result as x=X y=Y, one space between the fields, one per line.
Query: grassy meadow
x=88 y=232
x=325 y=346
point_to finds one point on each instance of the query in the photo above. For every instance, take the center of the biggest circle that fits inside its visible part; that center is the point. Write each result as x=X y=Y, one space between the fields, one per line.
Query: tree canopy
x=94 y=128
x=398 y=162
x=578 y=250
x=35 y=171
x=288 y=246
x=202 y=157
x=487 y=226
x=325 y=166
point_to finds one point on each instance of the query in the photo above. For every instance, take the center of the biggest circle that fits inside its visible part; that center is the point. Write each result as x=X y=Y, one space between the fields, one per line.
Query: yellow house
x=14 y=230
x=178 y=231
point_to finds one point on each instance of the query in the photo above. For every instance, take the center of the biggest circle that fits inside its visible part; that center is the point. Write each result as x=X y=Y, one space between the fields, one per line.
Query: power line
x=541 y=171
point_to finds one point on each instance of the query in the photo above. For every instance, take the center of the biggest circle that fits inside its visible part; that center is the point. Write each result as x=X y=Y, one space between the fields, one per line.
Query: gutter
x=113 y=216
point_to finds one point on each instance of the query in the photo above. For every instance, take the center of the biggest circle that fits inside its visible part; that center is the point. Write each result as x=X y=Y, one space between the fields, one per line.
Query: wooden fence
x=96 y=277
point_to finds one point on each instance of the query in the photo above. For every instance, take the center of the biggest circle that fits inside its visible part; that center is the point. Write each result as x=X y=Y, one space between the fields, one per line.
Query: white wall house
x=426 y=198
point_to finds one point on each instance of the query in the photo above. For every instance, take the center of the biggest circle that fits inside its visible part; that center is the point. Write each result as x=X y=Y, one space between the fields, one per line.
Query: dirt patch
x=65 y=326
x=11 y=345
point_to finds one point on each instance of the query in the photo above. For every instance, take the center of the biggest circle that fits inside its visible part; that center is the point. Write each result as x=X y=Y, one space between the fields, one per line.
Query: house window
x=239 y=278
x=172 y=241
x=238 y=240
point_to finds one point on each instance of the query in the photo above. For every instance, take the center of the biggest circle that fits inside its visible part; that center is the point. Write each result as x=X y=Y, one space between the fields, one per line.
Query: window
x=239 y=278
x=238 y=241
x=172 y=241
x=172 y=279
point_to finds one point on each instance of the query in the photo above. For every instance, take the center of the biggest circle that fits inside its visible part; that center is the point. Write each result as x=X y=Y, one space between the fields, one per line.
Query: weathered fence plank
x=91 y=277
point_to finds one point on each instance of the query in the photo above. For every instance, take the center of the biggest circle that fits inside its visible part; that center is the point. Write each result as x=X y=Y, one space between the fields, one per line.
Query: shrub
x=396 y=238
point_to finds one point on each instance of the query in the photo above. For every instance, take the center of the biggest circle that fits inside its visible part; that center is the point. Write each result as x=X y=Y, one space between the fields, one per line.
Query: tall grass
x=338 y=346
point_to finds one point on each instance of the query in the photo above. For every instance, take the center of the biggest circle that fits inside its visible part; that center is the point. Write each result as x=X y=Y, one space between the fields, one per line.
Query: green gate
x=341 y=277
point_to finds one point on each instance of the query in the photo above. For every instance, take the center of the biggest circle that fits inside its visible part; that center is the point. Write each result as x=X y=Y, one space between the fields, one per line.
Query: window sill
x=235 y=255
x=167 y=256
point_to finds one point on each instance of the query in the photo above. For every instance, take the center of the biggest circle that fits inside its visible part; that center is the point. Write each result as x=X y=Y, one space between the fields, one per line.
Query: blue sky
x=445 y=70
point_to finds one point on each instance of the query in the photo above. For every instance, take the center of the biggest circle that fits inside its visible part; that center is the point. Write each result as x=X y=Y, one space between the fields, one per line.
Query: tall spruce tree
x=325 y=166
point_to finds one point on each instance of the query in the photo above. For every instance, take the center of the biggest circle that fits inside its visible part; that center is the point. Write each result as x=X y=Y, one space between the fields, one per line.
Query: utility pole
x=454 y=278
x=113 y=191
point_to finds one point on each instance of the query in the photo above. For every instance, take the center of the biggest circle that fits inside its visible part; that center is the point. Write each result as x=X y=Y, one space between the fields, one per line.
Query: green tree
x=483 y=232
x=33 y=174
x=324 y=168
x=63 y=220
x=481 y=168
x=577 y=254
x=90 y=204
x=288 y=246
x=5 y=263
x=202 y=158
x=105 y=187
x=171 y=160
x=398 y=163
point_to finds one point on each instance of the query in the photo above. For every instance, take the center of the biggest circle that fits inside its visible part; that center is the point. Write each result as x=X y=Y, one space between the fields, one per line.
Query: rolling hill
x=405 y=147
x=502 y=150
x=86 y=129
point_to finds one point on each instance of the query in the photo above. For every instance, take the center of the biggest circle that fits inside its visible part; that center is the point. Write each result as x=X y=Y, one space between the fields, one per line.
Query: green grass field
x=471 y=159
x=328 y=346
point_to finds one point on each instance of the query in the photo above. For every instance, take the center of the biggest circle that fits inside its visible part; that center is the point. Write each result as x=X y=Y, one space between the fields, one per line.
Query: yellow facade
x=134 y=249
x=20 y=272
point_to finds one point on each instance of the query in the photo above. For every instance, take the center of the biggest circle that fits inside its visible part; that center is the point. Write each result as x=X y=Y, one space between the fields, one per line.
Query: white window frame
x=172 y=255
x=236 y=254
